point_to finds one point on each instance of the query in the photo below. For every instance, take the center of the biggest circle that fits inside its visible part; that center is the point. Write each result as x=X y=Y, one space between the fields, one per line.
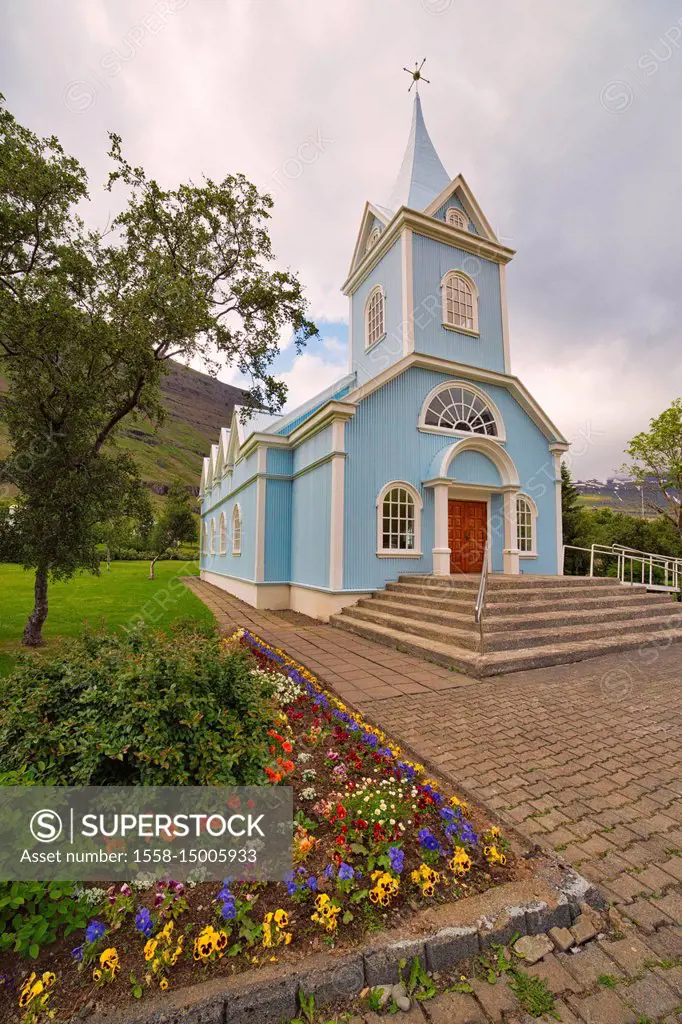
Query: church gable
x=458 y=196
x=372 y=226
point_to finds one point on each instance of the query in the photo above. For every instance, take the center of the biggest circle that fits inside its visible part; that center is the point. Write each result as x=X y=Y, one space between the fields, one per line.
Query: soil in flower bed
x=375 y=842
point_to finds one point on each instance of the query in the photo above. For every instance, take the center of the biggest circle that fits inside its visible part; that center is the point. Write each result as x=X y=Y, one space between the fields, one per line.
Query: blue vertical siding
x=454 y=201
x=279 y=461
x=387 y=273
x=474 y=468
x=244 y=565
x=310 y=515
x=431 y=261
x=278 y=497
x=497 y=531
x=316 y=447
x=383 y=444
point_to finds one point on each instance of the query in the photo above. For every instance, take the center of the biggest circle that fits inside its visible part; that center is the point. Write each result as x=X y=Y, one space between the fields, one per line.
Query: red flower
x=340 y=811
x=287 y=747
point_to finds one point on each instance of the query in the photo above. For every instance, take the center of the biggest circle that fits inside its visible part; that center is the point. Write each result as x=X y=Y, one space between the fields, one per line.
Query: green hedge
x=138 y=710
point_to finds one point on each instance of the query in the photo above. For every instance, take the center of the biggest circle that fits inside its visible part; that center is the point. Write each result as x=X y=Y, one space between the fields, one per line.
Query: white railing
x=635 y=568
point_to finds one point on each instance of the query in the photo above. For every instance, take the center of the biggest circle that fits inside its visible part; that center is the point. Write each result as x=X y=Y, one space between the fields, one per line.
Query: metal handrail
x=479 y=607
x=669 y=565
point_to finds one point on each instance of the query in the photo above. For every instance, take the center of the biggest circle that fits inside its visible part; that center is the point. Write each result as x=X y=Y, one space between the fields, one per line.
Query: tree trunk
x=33 y=631
x=151 y=567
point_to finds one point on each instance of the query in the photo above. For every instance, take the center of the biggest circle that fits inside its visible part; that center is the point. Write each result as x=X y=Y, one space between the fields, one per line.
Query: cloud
x=563 y=118
x=310 y=374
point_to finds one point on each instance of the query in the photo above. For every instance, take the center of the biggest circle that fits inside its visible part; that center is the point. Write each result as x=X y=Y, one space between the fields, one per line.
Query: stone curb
x=270 y=993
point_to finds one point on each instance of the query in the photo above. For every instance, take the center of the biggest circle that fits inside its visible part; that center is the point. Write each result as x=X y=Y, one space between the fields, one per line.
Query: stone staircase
x=529 y=621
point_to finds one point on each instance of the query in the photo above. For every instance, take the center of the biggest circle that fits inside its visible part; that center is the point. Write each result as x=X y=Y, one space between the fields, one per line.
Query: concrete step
x=464 y=637
x=431 y=650
x=503 y=618
x=511 y=638
x=498 y=581
x=464 y=604
x=500 y=662
x=519 y=594
x=508 y=640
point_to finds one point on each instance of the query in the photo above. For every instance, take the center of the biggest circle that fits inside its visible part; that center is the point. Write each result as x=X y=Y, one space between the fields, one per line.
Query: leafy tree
x=571 y=507
x=176 y=524
x=657 y=455
x=130 y=532
x=88 y=322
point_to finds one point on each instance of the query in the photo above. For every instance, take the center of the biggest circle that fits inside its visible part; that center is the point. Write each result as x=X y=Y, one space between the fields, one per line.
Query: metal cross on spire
x=417 y=75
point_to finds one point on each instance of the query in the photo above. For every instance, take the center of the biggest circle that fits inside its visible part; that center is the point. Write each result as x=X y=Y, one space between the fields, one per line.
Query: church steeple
x=422 y=176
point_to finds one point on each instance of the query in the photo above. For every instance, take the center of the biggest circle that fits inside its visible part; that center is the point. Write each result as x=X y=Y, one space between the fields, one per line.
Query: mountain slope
x=197 y=407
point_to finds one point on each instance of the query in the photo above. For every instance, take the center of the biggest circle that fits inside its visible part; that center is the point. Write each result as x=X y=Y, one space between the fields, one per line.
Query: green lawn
x=114 y=599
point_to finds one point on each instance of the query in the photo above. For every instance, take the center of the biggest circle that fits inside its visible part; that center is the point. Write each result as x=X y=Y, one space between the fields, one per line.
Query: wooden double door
x=467 y=534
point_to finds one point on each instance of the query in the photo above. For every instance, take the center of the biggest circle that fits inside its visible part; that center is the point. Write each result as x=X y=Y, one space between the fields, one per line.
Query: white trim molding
x=380 y=316
x=478 y=393
x=431 y=227
x=521 y=496
x=237 y=528
x=408 y=291
x=512 y=384
x=469 y=283
x=556 y=451
x=222 y=533
x=486 y=446
x=416 y=550
x=506 y=345
x=336 y=514
x=456 y=218
x=313 y=601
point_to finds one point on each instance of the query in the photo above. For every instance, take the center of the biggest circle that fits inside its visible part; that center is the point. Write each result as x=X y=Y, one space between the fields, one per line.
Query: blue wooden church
x=428 y=457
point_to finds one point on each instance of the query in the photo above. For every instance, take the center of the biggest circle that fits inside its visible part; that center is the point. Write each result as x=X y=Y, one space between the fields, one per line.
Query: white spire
x=422 y=176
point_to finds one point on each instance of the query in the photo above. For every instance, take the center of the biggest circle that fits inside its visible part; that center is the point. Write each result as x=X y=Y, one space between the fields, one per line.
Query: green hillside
x=197 y=407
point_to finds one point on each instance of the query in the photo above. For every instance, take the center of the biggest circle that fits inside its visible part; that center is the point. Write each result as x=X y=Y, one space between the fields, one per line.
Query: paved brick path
x=585 y=759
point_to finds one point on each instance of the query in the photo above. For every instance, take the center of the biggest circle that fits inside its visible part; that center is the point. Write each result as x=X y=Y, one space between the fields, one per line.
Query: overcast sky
x=564 y=118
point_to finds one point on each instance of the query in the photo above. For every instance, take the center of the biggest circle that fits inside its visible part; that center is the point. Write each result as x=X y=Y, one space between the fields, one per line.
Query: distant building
x=427 y=457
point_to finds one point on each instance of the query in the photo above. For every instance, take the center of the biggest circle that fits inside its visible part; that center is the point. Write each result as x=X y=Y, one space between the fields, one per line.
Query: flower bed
x=375 y=841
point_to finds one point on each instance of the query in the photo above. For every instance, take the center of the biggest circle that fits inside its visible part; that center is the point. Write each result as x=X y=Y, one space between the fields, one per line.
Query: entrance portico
x=468 y=474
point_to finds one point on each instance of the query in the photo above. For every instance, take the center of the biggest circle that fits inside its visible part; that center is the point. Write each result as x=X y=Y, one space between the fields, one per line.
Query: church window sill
x=461 y=330
x=399 y=553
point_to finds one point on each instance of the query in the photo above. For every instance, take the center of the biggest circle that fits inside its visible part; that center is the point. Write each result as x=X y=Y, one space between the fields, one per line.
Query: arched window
x=526 y=514
x=460 y=409
x=460 y=302
x=374 y=316
x=456 y=219
x=373 y=238
x=399 y=521
x=236 y=530
x=213 y=536
x=223 y=534
x=205 y=538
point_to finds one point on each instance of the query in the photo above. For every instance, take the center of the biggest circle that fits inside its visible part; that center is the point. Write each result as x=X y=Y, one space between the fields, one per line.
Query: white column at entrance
x=510 y=553
x=441 y=551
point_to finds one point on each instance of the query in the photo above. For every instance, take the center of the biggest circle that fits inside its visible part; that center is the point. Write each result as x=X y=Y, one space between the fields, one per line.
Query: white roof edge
x=312 y=402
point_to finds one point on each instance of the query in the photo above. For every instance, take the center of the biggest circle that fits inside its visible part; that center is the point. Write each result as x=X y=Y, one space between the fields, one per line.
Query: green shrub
x=138 y=710
x=34 y=914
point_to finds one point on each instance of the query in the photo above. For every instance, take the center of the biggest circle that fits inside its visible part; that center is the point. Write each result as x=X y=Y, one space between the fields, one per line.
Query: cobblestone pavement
x=584 y=759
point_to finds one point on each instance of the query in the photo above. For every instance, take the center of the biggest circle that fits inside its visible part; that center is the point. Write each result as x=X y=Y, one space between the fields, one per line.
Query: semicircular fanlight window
x=457 y=408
